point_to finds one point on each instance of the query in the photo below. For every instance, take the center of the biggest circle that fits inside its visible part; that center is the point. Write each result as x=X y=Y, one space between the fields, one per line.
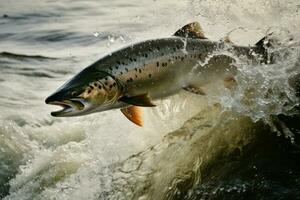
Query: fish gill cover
x=239 y=145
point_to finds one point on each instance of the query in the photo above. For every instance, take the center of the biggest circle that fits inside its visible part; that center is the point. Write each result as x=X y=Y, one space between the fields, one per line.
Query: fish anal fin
x=139 y=100
x=194 y=89
x=134 y=114
x=192 y=30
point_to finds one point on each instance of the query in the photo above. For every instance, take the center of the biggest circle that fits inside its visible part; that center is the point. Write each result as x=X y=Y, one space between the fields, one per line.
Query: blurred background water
x=44 y=43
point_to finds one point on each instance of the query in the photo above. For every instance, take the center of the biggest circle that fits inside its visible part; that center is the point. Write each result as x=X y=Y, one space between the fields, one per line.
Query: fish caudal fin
x=133 y=113
x=194 y=89
x=139 y=100
x=192 y=30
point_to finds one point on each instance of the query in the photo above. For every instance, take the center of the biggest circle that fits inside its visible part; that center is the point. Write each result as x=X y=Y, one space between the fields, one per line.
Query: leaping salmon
x=137 y=75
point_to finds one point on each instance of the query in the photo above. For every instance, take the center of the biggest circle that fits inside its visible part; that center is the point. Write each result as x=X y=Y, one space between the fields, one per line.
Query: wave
x=5 y=54
x=214 y=155
x=64 y=37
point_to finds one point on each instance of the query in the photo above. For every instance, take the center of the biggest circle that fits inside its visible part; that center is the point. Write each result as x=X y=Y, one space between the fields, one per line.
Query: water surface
x=44 y=43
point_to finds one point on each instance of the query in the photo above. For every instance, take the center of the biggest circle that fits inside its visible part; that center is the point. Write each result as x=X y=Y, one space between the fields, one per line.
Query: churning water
x=237 y=145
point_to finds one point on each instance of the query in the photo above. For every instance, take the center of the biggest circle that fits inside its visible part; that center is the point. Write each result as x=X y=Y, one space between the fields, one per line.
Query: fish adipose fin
x=192 y=30
x=139 y=100
x=133 y=113
x=194 y=89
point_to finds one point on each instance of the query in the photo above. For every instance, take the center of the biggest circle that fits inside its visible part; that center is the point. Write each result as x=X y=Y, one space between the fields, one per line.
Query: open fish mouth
x=69 y=108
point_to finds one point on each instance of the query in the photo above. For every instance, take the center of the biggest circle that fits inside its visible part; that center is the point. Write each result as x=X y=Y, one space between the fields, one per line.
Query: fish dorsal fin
x=192 y=30
x=139 y=100
x=134 y=114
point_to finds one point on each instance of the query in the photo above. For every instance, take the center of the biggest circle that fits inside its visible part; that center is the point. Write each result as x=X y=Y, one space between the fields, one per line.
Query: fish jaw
x=97 y=95
x=73 y=107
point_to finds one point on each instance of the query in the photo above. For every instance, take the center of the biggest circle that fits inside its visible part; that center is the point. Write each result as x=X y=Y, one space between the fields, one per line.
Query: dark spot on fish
x=136 y=76
x=106 y=78
x=95 y=84
x=131 y=59
x=146 y=55
x=150 y=75
x=123 y=63
x=105 y=83
x=158 y=48
x=118 y=62
x=134 y=59
x=121 y=72
x=110 y=86
x=177 y=46
x=114 y=84
x=117 y=67
x=111 y=68
x=135 y=69
x=126 y=69
x=89 y=91
x=92 y=87
x=100 y=87
x=169 y=60
x=157 y=64
x=182 y=58
x=140 y=70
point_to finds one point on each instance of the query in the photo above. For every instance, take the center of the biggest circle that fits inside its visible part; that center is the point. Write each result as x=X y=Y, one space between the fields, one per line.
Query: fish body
x=141 y=73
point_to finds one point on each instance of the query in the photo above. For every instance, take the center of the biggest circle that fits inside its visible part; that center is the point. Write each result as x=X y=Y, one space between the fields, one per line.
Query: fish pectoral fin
x=139 y=100
x=133 y=113
x=192 y=30
x=194 y=89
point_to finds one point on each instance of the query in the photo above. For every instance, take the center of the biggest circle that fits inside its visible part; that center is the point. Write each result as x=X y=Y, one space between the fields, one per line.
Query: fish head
x=86 y=93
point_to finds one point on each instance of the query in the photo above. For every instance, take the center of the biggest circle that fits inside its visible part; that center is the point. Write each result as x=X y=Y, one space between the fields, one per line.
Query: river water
x=104 y=156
